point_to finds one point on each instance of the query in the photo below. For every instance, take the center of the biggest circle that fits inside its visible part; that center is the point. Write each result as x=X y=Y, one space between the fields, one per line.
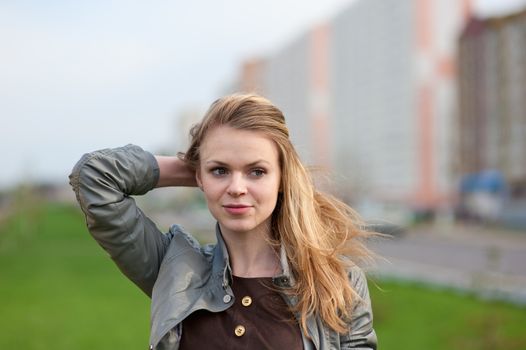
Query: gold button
x=246 y=301
x=240 y=330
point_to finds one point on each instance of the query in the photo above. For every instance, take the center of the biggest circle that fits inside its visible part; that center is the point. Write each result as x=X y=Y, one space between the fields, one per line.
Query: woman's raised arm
x=174 y=172
x=104 y=182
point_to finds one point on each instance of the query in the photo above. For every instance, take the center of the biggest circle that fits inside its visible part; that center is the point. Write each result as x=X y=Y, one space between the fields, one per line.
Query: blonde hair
x=321 y=235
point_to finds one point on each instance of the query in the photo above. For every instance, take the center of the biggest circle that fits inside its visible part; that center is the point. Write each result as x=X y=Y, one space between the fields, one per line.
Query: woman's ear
x=198 y=179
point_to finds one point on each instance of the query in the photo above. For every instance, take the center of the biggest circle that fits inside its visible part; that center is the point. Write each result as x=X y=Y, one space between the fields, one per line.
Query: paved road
x=489 y=262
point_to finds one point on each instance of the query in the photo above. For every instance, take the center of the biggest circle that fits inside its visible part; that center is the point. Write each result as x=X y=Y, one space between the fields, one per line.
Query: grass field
x=59 y=290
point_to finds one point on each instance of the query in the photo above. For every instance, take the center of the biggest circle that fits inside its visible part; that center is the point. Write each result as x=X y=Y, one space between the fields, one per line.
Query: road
x=490 y=262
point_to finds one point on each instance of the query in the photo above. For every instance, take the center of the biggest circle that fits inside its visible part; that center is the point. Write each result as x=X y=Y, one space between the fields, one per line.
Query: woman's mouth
x=237 y=209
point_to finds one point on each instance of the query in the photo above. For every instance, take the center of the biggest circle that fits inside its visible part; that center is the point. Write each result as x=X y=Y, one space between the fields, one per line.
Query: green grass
x=412 y=316
x=59 y=290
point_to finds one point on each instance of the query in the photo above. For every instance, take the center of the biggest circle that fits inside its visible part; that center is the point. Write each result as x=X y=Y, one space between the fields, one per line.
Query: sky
x=80 y=76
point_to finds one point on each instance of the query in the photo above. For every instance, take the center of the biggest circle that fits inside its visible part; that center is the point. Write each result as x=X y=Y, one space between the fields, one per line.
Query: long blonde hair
x=321 y=235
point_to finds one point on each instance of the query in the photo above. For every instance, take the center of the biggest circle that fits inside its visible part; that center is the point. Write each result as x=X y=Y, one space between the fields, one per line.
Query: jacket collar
x=221 y=260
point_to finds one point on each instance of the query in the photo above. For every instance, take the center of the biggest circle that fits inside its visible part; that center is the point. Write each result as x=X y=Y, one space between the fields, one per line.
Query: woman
x=283 y=273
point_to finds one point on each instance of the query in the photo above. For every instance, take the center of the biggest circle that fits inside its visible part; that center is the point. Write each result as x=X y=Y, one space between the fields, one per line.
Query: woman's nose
x=237 y=186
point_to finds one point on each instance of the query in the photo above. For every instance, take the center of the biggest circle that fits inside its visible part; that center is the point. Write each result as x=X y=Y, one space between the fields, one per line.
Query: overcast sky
x=78 y=76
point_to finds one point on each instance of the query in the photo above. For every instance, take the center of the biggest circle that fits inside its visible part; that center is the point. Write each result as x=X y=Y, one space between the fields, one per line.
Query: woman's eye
x=258 y=172
x=218 y=171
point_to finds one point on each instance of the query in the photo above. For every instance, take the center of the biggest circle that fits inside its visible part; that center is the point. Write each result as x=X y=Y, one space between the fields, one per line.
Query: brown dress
x=259 y=319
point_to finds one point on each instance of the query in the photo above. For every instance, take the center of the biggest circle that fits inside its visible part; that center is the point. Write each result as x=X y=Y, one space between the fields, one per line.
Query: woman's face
x=239 y=174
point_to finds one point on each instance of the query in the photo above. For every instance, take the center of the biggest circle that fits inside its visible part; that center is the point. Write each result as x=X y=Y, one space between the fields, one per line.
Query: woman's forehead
x=227 y=145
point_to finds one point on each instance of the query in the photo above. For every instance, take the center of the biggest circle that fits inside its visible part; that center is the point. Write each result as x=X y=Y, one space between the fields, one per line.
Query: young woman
x=283 y=274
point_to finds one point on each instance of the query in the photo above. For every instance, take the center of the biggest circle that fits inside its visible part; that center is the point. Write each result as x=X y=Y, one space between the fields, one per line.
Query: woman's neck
x=251 y=255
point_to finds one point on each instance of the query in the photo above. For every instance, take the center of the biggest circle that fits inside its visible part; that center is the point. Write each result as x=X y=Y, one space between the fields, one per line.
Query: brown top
x=259 y=319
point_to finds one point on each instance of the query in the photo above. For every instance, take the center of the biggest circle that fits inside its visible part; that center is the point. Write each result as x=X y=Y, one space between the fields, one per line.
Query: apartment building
x=491 y=129
x=371 y=95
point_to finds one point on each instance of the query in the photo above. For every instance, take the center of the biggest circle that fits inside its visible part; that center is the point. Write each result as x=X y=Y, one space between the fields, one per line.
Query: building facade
x=491 y=130
x=371 y=95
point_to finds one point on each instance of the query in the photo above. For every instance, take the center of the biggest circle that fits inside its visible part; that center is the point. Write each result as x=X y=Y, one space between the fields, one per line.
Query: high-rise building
x=491 y=130
x=371 y=95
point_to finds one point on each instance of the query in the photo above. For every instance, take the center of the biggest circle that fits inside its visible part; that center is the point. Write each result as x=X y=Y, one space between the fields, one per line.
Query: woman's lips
x=237 y=209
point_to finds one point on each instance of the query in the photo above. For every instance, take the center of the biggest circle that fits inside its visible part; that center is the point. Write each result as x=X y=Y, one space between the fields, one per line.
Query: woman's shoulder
x=185 y=255
x=358 y=280
x=185 y=240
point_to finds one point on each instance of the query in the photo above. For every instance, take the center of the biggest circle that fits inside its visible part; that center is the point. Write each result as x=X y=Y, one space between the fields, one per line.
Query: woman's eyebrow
x=218 y=162
x=215 y=162
x=258 y=162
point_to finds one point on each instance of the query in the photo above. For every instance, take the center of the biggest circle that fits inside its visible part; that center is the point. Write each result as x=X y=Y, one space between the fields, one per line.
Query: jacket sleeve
x=103 y=182
x=361 y=334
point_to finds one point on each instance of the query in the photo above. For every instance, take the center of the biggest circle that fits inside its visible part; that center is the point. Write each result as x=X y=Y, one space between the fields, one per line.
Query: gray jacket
x=179 y=274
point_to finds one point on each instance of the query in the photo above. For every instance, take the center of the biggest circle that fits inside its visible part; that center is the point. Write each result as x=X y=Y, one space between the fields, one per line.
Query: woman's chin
x=239 y=226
